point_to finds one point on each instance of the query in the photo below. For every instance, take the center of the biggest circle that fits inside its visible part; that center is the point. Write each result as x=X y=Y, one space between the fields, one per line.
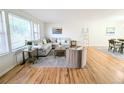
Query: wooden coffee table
x=59 y=51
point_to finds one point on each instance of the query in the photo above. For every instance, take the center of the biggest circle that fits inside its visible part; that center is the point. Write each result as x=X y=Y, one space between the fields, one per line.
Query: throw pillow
x=63 y=41
x=53 y=40
x=48 y=40
x=58 y=41
x=44 y=41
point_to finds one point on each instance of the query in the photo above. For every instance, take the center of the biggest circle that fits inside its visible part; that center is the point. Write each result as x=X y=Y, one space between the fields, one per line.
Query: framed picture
x=110 y=30
x=56 y=30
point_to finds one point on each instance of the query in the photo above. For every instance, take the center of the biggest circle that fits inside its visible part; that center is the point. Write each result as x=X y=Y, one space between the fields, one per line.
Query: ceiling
x=73 y=15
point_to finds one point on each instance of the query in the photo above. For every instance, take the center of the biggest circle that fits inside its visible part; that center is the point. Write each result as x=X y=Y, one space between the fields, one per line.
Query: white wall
x=97 y=30
x=9 y=61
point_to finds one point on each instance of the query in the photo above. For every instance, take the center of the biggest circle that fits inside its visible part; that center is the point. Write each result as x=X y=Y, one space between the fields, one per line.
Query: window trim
x=6 y=27
x=3 y=19
x=22 y=18
x=38 y=31
x=4 y=54
x=14 y=50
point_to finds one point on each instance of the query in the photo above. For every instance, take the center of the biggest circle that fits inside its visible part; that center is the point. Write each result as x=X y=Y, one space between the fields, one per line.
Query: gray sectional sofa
x=53 y=43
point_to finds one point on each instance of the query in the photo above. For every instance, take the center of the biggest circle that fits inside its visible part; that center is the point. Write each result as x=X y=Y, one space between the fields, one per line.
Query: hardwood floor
x=101 y=68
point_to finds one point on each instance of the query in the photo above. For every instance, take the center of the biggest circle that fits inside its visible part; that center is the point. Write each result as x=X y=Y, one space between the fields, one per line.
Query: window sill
x=4 y=54
x=14 y=51
x=18 y=49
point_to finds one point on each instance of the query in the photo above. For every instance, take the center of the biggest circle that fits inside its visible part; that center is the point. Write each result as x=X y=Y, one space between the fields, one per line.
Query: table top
x=29 y=50
x=26 y=49
x=118 y=41
x=60 y=48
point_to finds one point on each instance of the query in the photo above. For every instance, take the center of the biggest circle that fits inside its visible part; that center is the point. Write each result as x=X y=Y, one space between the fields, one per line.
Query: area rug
x=52 y=61
x=110 y=52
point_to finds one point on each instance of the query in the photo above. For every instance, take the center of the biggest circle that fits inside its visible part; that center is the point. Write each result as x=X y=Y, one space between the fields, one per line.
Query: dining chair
x=113 y=45
x=121 y=48
x=73 y=43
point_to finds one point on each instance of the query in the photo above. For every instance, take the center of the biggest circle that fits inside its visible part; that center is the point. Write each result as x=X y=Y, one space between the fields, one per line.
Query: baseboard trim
x=7 y=70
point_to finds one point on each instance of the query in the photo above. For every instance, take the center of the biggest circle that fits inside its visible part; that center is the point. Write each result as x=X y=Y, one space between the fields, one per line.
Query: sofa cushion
x=45 y=46
x=62 y=41
x=53 y=40
x=58 y=40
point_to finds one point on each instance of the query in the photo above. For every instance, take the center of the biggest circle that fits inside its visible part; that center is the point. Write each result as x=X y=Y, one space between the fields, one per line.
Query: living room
x=50 y=29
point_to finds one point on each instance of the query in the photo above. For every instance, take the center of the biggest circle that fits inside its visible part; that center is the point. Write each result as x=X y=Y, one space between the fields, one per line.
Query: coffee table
x=59 y=51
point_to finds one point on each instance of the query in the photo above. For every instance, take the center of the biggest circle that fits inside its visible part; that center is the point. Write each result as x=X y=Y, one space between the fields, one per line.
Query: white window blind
x=36 y=28
x=3 y=35
x=20 y=30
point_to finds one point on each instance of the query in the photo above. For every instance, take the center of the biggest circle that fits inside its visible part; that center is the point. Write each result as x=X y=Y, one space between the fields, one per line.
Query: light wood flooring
x=101 y=68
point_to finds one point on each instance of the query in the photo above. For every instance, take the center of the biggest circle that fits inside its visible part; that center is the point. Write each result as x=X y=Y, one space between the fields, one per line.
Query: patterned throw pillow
x=44 y=41
x=48 y=40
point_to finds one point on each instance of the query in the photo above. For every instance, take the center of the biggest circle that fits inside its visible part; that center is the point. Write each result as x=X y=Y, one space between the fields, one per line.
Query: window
x=36 y=28
x=3 y=35
x=20 y=30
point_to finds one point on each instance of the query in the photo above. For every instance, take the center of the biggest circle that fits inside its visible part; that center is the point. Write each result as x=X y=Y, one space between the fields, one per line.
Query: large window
x=3 y=35
x=20 y=30
x=36 y=32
